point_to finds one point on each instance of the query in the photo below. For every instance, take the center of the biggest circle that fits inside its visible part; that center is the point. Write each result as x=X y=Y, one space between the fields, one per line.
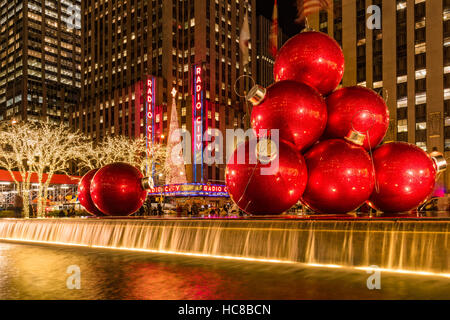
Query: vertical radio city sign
x=149 y=109
x=197 y=117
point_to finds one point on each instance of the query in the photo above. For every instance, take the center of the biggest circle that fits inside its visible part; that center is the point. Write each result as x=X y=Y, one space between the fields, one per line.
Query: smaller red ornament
x=270 y=185
x=84 y=193
x=340 y=177
x=313 y=58
x=298 y=111
x=358 y=114
x=116 y=189
x=405 y=176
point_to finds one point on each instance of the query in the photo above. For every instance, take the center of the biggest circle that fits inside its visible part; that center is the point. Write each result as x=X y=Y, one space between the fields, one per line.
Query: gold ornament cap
x=355 y=137
x=439 y=161
x=266 y=150
x=256 y=95
x=147 y=183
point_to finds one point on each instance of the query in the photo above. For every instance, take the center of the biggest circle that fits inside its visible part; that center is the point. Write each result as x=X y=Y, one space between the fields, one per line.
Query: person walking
x=18 y=206
x=160 y=210
x=189 y=209
x=194 y=210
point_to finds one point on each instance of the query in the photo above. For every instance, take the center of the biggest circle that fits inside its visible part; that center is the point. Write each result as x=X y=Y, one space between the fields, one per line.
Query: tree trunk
x=40 y=203
x=26 y=204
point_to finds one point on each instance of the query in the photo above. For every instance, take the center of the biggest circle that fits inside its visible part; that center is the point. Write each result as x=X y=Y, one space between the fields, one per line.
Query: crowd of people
x=189 y=209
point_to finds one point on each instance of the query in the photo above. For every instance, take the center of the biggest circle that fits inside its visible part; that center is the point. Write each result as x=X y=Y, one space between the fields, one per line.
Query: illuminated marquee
x=149 y=110
x=197 y=117
x=191 y=190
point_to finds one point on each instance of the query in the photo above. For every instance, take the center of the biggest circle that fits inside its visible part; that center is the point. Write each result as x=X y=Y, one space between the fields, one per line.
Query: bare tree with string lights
x=148 y=159
x=41 y=150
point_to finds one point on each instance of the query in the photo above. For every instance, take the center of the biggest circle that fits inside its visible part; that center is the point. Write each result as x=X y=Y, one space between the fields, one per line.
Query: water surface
x=30 y=271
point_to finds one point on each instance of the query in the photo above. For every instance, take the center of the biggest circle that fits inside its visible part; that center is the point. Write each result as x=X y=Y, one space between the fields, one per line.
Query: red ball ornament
x=84 y=193
x=405 y=177
x=270 y=185
x=312 y=58
x=359 y=114
x=116 y=189
x=340 y=177
x=297 y=110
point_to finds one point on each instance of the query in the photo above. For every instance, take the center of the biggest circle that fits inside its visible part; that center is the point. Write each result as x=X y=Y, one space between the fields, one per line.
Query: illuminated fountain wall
x=402 y=244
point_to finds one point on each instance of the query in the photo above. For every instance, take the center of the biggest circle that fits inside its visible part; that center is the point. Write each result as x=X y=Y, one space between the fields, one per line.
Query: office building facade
x=40 y=56
x=126 y=43
x=407 y=61
x=264 y=58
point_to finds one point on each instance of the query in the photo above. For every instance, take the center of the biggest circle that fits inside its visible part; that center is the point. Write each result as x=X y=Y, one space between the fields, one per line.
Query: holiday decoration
x=176 y=174
x=405 y=176
x=297 y=110
x=84 y=193
x=357 y=114
x=270 y=185
x=116 y=189
x=340 y=177
x=312 y=58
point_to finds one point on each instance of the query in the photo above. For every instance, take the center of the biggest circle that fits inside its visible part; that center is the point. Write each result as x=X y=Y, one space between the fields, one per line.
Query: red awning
x=5 y=176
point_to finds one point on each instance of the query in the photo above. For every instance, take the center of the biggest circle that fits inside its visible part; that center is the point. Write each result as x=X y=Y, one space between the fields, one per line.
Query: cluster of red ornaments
x=114 y=190
x=325 y=135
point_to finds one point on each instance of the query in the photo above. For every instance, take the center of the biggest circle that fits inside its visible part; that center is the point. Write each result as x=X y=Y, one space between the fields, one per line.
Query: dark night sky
x=287 y=12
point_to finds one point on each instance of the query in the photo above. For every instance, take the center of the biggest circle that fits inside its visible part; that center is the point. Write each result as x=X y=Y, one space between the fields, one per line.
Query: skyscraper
x=40 y=56
x=407 y=61
x=129 y=45
x=264 y=59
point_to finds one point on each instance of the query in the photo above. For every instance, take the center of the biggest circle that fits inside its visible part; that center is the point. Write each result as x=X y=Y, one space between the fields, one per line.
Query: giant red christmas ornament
x=405 y=177
x=297 y=110
x=116 y=189
x=340 y=177
x=84 y=193
x=312 y=58
x=357 y=112
x=270 y=185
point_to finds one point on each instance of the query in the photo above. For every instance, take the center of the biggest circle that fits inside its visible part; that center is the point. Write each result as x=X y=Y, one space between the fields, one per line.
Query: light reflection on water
x=39 y=272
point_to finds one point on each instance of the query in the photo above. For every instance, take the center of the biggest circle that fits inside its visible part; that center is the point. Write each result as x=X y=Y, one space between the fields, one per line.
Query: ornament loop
x=236 y=82
x=361 y=115
x=256 y=95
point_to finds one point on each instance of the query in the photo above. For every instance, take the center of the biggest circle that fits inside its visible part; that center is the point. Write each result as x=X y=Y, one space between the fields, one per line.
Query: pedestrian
x=160 y=210
x=18 y=206
x=194 y=210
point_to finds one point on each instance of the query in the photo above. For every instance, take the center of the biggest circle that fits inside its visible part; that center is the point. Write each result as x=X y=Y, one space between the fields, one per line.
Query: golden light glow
x=225 y=257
